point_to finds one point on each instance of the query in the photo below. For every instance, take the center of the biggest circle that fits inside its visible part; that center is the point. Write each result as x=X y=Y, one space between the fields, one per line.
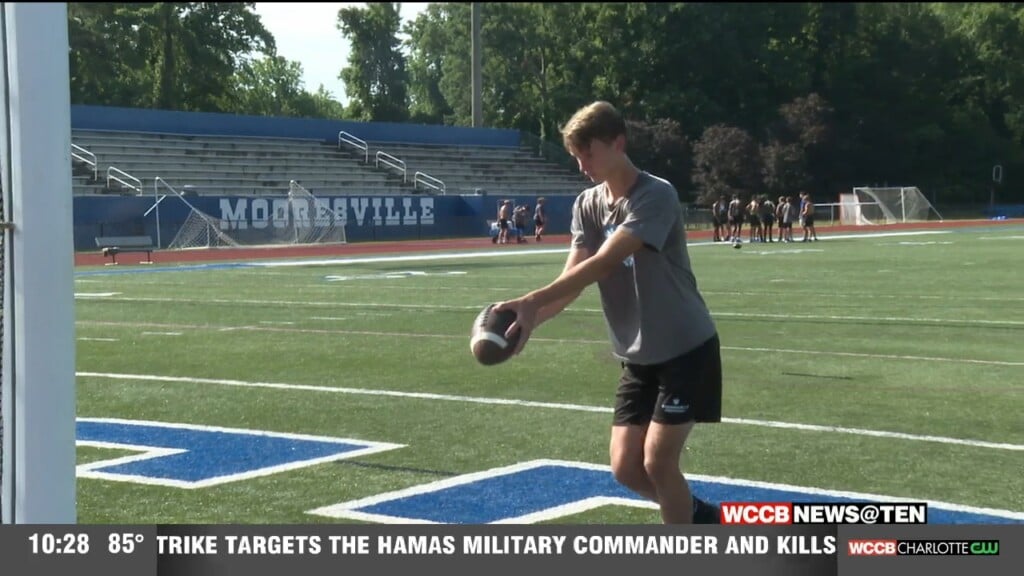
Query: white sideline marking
x=868 y=318
x=877 y=356
x=872 y=296
x=340 y=318
x=549 y=405
x=540 y=339
x=409 y=258
x=87 y=339
x=784 y=251
x=448 y=307
x=96 y=294
x=161 y=333
x=398 y=275
x=530 y=251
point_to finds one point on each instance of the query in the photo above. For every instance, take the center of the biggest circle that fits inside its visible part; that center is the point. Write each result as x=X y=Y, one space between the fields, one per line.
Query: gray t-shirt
x=651 y=302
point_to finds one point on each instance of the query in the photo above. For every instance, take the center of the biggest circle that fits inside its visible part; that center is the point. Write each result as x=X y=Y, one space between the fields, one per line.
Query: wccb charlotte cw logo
x=923 y=548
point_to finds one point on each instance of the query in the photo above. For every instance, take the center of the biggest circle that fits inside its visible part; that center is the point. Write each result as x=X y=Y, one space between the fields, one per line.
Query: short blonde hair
x=596 y=121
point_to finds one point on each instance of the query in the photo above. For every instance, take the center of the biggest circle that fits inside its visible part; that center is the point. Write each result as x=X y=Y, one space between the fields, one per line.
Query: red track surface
x=233 y=254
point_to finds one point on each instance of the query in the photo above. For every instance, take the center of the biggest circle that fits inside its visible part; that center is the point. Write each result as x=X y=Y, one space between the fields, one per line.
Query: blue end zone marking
x=507 y=496
x=147 y=270
x=533 y=489
x=195 y=456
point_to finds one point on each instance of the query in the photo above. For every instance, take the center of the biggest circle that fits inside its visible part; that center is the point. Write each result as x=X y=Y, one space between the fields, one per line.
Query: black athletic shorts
x=809 y=221
x=684 y=389
x=503 y=223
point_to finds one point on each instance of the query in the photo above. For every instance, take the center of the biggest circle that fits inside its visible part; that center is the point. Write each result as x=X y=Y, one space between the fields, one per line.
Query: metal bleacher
x=128 y=163
x=496 y=170
x=224 y=165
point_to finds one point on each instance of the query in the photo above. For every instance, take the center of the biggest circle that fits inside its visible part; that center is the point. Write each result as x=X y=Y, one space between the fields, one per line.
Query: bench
x=114 y=245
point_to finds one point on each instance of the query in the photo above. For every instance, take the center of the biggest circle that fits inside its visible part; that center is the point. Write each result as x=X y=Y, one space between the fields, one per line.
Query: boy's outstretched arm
x=577 y=254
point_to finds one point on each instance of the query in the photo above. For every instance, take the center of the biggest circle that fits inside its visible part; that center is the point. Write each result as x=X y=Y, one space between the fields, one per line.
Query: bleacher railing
x=86 y=157
x=428 y=181
x=123 y=178
x=391 y=162
x=357 y=143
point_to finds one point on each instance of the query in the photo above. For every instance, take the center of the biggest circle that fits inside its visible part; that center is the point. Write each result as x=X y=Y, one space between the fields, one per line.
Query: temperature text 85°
x=123 y=543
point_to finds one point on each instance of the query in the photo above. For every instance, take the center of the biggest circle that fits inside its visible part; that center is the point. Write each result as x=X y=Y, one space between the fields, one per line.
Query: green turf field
x=901 y=353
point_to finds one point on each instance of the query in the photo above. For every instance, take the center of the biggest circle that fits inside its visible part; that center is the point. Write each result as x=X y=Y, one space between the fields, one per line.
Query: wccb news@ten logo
x=784 y=513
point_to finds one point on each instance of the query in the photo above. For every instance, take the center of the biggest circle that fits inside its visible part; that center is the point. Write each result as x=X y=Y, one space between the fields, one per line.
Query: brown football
x=487 y=338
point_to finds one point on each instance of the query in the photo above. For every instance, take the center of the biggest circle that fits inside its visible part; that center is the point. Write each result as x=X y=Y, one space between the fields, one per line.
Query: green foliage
x=375 y=78
x=184 y=56
x=832 y=95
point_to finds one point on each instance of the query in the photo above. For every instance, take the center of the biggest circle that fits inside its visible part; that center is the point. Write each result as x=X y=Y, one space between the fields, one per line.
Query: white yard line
x=545 y=405
x=536 y=339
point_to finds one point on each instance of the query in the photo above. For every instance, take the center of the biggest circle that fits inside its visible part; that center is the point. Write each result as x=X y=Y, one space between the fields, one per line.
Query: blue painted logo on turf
x=547 y=490
x=190 y=456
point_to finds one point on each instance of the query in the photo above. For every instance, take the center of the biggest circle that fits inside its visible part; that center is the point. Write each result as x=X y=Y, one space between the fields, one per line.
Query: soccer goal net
x=199 y=230
x=298 y=219
x=313 y=221
x=868 y=206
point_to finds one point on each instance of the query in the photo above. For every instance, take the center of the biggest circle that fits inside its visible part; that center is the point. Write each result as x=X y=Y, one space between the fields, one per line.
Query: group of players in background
x=512 y=221
x=761 y=214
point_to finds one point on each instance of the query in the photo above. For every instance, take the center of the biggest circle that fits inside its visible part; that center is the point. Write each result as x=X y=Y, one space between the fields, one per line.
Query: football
x=487 y=339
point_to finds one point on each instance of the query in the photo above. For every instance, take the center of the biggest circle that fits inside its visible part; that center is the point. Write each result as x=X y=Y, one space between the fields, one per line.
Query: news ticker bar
x=312 y=550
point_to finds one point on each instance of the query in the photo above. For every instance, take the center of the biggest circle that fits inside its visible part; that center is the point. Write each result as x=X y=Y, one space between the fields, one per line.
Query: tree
x=806 y=120
x=376 y=78
x=106 y=68
x=427 y=40
x=801 y=130
x=783 y=168
x=662 y=148
x=726 y=162
x=271 y=86
x=178 y=56
x=321 y=104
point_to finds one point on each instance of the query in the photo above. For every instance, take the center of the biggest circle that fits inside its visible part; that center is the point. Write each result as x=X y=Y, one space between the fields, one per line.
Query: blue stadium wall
x=254 y=218
x=367 y=218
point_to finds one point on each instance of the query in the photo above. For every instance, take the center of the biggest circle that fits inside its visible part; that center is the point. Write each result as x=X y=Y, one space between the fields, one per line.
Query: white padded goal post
x=37 y=394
